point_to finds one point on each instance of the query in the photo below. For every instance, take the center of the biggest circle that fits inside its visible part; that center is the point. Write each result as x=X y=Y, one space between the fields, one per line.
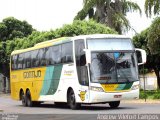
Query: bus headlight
x=99 y=89
x=134 y=87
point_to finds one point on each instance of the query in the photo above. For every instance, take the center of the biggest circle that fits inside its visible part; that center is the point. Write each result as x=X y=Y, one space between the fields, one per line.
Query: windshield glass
x=110 y=44
x=113 y=67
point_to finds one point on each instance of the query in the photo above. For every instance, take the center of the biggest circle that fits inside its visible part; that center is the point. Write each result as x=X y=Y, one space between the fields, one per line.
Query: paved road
x=7 y=105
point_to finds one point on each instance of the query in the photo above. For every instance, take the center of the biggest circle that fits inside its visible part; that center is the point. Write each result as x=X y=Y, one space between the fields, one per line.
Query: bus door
x=82 y=70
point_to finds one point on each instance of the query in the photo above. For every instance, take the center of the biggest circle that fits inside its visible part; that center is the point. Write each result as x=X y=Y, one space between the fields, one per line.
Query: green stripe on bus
x=47 y=80
x=120 y=86
x=55 y=80
x=128 y=86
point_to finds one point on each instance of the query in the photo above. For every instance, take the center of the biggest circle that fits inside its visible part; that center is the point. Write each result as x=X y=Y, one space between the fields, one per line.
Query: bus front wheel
x=72 y=101
x=114 y=104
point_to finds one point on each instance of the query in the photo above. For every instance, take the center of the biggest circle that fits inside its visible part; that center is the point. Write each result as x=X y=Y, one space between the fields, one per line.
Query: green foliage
x=152 y=6
x=84 y=28
x=149 y=40
x=143 y=95
x=149 y=94
x=154 y=37
x=141 y=40
x=156 y=96
x=11 y=28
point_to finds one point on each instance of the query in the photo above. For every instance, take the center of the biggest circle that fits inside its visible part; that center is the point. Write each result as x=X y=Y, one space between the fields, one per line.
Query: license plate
x=117 y=96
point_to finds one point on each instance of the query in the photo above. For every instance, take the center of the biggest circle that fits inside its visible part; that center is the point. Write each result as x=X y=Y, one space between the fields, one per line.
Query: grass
x=150 y=94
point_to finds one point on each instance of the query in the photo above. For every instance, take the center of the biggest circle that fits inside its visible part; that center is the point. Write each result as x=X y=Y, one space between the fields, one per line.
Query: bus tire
x=114 y=104
x=28 y=99
x=72 y=101
x=23 y=98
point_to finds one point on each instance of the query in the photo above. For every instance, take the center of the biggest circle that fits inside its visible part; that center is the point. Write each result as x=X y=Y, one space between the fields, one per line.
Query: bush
x=143 y=95
x=156 y=96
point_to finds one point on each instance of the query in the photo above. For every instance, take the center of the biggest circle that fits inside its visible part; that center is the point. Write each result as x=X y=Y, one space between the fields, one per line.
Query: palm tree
x=152 y=6
x=109 y=12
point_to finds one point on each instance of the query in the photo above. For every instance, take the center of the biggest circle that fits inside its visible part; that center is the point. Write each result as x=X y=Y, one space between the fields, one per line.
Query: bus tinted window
x=48 y=56
x=41 y=56
x=56 y=54
x=20 y=61
x=14 y=62
x=67 y=53
x=34 y=58
x=27 y=60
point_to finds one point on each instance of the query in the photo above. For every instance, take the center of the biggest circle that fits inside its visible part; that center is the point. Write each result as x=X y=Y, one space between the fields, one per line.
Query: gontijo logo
x=32 y=74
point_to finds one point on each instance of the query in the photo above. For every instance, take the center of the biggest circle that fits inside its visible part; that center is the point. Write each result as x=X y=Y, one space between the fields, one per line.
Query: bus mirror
x=88 y=55
x=141 y=56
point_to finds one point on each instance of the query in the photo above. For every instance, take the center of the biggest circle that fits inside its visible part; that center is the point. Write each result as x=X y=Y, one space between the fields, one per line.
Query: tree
x=154 y=45
x=152 y=6
x=11 y=28
x=109 y=12
x=149 y=40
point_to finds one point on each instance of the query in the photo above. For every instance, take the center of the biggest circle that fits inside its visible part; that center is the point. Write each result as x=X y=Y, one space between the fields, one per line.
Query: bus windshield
x=113 y=67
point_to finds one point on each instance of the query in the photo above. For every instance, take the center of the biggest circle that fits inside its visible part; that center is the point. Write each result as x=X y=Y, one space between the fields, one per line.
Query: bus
x=85 y=69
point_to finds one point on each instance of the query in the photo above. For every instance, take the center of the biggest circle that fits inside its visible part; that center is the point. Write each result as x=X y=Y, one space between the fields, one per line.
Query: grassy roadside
x=149 y=94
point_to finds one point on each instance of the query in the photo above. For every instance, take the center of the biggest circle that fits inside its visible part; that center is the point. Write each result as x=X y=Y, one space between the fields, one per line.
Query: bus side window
x=56 y=55
x=48 y=56
x=14 y=62
x=20 y=61
x=34 y=58
x=43 y=56
x=27 y=60
x=67 y=52
x=40 y=55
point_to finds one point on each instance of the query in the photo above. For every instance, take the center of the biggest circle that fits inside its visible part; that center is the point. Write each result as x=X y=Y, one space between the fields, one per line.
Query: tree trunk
x=100 y=13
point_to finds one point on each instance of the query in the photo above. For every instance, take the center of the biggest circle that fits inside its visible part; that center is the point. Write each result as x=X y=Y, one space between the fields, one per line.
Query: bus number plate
x=117 y=96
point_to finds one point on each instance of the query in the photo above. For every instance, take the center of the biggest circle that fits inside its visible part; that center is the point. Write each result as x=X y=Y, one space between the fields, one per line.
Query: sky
x=45 y=15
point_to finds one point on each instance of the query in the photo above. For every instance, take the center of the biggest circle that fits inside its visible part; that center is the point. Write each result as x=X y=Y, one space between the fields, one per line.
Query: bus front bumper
x=102 y=97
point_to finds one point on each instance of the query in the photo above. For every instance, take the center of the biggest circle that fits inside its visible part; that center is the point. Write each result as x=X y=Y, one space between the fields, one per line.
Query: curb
x=139 y=101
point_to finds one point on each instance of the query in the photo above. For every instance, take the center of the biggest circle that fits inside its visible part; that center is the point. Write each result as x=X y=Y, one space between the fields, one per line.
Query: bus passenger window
x=14 y=62
x=20 y=61
x=56 y=54
x=34 y=58
x=27 y=60
x=67 y=53
x=42 y=56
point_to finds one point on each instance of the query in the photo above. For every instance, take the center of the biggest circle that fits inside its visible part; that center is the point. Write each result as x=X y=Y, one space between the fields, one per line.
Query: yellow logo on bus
x=82 y=95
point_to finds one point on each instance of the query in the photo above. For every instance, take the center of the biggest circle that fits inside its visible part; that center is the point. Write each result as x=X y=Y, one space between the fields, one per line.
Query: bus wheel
x=114 y=104
x=72 y=101
x=23 y=98
x=28 y=99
